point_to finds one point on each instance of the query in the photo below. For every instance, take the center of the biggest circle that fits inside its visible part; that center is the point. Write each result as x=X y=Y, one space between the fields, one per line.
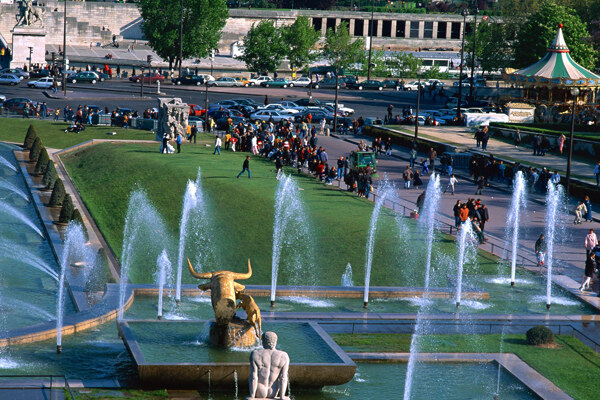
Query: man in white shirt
x=451 y=182
x=217 y=146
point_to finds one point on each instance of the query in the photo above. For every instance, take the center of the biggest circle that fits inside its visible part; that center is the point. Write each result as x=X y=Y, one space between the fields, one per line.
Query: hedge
x=58 y=193
x=405 y=140
x=42 y=162
x=30 y=137
x=50 y=176
x=555 y=129
x=539 y=335
x=36 y=149
x=66 y=212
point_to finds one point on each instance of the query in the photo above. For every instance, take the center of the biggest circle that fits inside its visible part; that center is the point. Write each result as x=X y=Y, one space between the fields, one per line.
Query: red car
x=148 y=78
x=196 y=110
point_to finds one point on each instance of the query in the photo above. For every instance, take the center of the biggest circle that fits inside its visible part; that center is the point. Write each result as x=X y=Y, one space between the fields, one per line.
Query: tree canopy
x=263 y=47
x=301 y=38
x=340 y=50
x=203 y=21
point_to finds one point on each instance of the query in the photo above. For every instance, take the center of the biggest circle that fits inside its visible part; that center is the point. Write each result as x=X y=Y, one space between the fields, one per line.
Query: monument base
x=24 y=38
x=239 y=333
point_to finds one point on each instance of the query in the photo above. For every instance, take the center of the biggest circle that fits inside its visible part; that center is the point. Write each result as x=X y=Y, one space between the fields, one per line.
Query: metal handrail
x=42 y=385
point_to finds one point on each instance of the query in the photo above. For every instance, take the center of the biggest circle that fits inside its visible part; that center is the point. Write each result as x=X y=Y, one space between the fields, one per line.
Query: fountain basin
x=176 y=354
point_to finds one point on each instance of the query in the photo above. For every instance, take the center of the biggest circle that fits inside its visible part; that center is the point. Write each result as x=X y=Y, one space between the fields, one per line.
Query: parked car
x=85 y=76
x=316 y=114
x=43 y=83
x=245 y=82
x=18 y=72
x=9 y=79
x=436 y=82
x=259 y=80
x=15 y=100
x=149 y=77
x=2 y=98
x=414 y=85
x=125 y=111
x=196 y=110
x=217 y=113
x=278 y=107
x=290 y=105
x=247 y=102
x=343 y=109
x=222 y=121
x=245 y=110
x=265 y=115
x=303 y=81
x=223 y=104
x=391 y=83
x=206 y=77
x=39 y=73
x=311 y=101
x=95 y=109
x=224 y=81
x=369 y=84
x=328 y=83
x=279 y=82
x=453 y=102
x=188 y=80
x=102 y=76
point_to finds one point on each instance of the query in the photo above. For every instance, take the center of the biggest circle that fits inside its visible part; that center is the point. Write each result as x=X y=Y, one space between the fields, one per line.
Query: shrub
x=42 y=162
x=36 y=149
x=50 y=175
x=539 y=335
x=30 y=137
x=58 y=193
x=66 y=212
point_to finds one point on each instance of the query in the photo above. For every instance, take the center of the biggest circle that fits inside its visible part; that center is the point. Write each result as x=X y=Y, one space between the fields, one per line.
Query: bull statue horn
x=204 y=275
x=247 y=275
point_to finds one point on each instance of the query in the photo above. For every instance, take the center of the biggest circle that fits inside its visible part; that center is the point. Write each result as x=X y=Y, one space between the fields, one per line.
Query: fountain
x=13 y=212
x=17 y=252
x=191 y=199
x=518 y=203
x=8 y=164
x=347 y=276
x=163 y=274
x=465 y=239
x=291 y=234
x=554 y=200
x=144 y=230
x=497 y=395
x=4 y=184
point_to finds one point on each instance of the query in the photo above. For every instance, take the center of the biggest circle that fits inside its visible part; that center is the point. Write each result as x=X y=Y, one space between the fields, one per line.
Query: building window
x=386 y=29
x=455 y=32
x=428 y=30
x=347 y=21
x=400 y=25
x=469 y=28
x=414 y=29
x=331 y=23
x=373 y=26
x=359 y=26
x=441 y=31
x=317 y=24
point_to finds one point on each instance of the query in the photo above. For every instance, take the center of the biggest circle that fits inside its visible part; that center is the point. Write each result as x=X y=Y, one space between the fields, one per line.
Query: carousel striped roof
x=556 y=68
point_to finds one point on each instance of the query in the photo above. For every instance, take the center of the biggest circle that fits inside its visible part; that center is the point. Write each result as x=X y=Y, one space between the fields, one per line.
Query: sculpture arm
x=253 y=381
x=284 y=377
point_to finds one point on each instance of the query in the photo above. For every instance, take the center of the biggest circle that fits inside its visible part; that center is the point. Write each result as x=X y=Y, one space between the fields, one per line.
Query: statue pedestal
x=239 y=333
x=23 y=38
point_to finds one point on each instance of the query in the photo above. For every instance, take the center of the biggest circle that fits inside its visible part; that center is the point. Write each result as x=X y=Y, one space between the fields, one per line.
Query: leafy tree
x=58 y=194
x=42 y=162
x=30 y=137
x=36 y=149
x=540 y=29
x=66 y=212
x=493 y=50
x=404 y=65
x=301 y=39
x=435 y=73
x=50 y=176
x=263 y=47
x=203 y=21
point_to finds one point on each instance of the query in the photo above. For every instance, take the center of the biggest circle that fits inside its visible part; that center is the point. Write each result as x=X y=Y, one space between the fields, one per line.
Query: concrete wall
x=396 y=31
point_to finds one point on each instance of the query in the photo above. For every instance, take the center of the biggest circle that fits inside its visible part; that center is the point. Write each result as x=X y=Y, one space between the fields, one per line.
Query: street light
x=464 y=13
x=180 y=35
x=418 y=108
x=30 y=55
x=65 y=50
x=370 y=42
x=574 y=93
x=473 y=54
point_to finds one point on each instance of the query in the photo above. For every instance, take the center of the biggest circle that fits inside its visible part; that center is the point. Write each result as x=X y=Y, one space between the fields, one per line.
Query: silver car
x=18 y=72
x=9 y=79
x=43 y=83
x=224 y=81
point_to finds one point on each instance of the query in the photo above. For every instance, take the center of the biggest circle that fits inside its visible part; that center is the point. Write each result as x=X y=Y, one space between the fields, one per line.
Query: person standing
x=278 y=166
x=432 y=157
x=407 y=176
x=456 y=210
x=417 y=182
x=597 y=173
x=451 y=182
x=588 y=208
x=388 y=147
x=540 y=250
x=485 y=216
x=464 y=214
x=590 y=266
x=246 y=167
x=178 y=141
x=579 y=211
x=193 y=133
x=413 y=157
x=480 y=186
x=390 y=110
x=165 y=142
x=340 y=170
x=591 y=241
x=517 y=138
x=485 y=137
x=560 y=142
x=217 y=146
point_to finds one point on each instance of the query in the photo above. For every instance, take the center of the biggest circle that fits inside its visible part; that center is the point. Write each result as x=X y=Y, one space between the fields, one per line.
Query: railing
x=43 y=386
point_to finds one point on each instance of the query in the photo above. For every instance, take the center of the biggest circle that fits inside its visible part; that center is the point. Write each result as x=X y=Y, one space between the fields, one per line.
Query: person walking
x=246 y=167
x=517 y=138
x=540 y=250
x=425 y=168
x=193 y=133
x=590 y=266
x=413 y=157
x=217 y=146
x=560 y=142
x=417 y=182
x=451 y=182
x=485 y=216
x=591 y=241
x=278 y=166
x=579 y=211
x=407 y=175
x=588 y=208
x=432 y=157
x=480 y=186
x=597 y=173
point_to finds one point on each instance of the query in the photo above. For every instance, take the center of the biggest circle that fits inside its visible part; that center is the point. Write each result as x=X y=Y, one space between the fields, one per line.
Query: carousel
x=555 y=84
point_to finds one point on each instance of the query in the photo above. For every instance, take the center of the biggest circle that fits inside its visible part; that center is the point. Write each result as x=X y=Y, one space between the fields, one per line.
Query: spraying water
x=144 y=229
x=517 y=205
x=8 y=164
x=235 y=380
x=499 y=364
x=554 y=198
x=13 y=212
x=430 y=208
x=191 y=199
x=19 y=253
x=4 y=184
x=163 y=272
x=466 y=238
x=347 y=276
x=290 y=235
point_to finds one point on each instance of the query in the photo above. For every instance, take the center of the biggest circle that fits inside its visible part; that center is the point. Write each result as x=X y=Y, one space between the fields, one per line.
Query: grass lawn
x=573 y=366
x=53 y=134
x=95 y=394
x=241 y=212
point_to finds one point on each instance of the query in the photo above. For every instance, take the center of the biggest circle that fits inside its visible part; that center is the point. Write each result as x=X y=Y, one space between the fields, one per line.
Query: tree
x=66 y=212
x=494 y=51
x=263 y=47
x=30 y=137
x=58 y=194
x=301 y=39
x=540 y=29
x=42 y=162
x=341 y=52
x=404 y=65
x=203 y=21
x=36 y=149
x=50 y=176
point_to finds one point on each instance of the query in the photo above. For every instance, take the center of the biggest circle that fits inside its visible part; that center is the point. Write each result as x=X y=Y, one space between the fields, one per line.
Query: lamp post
x=65 y=49
x=30 y=55
x=418 y=108
x=180 y=35
x=370 y=42
x=462 y=58
x=473 y=54
x=574 y=93
x=206 y=127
